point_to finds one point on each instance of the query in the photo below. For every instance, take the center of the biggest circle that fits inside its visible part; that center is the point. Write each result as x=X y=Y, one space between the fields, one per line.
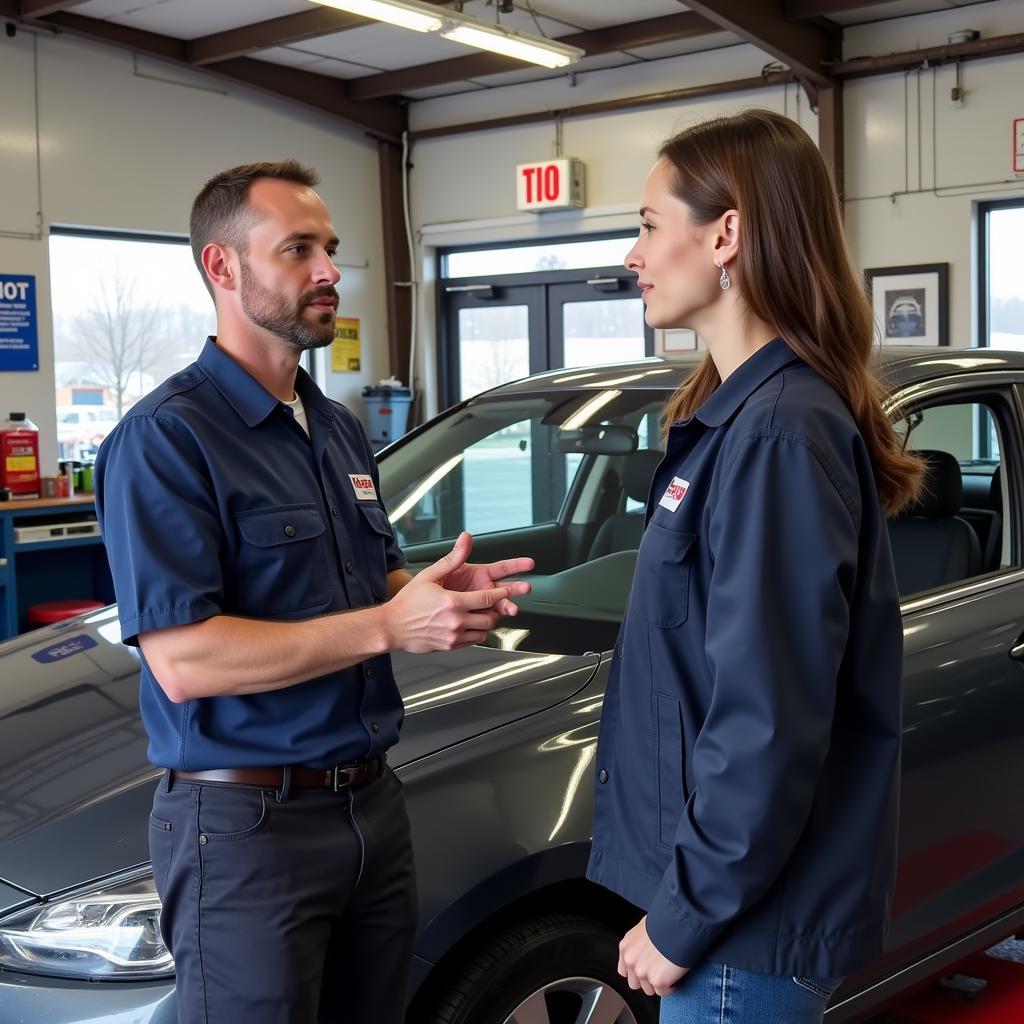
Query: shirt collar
x=246 y=395
x=722 y=404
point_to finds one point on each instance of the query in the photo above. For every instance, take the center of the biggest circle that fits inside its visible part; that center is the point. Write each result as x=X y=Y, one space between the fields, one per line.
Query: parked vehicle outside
x=497 y=752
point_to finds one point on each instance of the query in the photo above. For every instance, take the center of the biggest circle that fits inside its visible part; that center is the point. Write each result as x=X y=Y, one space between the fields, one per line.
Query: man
x=256 y=570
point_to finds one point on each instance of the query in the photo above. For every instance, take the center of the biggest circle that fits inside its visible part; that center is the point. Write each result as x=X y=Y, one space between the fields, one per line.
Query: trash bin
x=387 y=412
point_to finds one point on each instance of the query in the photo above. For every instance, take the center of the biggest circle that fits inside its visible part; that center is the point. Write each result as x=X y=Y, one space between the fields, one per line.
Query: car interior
x=572 y=495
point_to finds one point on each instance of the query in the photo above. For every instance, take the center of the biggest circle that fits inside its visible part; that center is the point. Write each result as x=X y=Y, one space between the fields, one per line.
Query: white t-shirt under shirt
x=299 y=411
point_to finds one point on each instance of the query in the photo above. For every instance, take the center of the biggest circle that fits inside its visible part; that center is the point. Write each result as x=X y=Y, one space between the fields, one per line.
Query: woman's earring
x=724 y=280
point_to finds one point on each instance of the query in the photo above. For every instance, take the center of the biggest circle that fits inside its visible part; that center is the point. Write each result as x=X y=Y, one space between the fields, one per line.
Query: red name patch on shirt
x=674 y=493
x=363 y=486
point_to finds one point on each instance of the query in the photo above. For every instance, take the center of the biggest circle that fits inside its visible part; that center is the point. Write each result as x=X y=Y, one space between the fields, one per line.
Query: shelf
x=63 y=542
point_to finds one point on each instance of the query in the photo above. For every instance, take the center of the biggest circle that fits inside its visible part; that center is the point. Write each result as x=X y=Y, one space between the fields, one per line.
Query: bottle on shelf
x=19 y=456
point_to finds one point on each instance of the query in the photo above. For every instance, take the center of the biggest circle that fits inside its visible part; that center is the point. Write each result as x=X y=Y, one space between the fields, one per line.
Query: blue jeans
x=718 y=994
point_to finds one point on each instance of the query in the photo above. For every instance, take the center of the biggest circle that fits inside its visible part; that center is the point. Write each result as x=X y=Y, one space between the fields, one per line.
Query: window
x=526 y=259
x=959 y=528
x=1001 y=296
x=127 y=313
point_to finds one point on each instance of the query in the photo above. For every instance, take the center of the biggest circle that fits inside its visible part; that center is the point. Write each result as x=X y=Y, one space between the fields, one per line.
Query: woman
x=749 y=752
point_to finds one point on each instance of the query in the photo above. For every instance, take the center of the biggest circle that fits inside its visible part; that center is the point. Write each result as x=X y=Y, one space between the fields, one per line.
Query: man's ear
x=726 y=238
x=219 y=266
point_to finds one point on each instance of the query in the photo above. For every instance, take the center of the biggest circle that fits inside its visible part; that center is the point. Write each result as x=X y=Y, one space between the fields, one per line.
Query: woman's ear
x=726 y=238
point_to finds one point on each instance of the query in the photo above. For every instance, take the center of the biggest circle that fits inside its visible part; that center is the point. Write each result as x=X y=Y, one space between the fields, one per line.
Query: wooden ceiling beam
x=381 y=119
x=684 y=25
x=283 y=31
x=805 y=48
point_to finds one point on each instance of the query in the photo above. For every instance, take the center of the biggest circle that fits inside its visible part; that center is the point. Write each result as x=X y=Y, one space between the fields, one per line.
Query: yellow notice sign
x=345 y=349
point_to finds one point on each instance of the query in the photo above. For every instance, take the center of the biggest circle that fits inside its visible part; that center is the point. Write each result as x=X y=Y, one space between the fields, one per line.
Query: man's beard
x=273 y=313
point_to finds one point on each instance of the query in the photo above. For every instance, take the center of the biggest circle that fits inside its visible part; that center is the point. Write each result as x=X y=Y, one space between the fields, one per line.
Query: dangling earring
x=724 y=280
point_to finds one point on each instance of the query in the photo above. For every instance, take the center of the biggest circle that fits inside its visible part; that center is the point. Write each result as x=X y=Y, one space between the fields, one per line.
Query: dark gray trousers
x=286 y=911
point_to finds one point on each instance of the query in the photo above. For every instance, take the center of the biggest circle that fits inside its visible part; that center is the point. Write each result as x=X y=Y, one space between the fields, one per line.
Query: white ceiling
x=376 y=48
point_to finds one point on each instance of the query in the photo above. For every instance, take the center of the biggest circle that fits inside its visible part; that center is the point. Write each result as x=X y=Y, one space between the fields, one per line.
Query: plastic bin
x=387 y=413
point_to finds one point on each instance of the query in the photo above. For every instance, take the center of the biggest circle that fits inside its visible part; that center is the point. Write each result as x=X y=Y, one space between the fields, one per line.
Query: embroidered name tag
x=363 y=486
x=674 y=493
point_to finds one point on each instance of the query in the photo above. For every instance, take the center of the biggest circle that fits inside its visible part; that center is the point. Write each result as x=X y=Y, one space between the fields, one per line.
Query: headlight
x=111 y=932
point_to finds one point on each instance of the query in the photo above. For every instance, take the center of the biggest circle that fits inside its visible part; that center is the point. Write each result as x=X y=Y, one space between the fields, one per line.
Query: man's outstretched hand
x=465 y=576
x=451 y=603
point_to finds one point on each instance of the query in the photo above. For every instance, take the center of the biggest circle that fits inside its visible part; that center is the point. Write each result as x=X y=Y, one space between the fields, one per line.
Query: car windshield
x=561 y=476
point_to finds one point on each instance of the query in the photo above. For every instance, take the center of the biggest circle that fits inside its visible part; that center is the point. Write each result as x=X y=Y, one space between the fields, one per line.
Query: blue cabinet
x=46 y=554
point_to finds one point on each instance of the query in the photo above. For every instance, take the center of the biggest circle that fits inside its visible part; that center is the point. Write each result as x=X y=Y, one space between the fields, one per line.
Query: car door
x=961 y=852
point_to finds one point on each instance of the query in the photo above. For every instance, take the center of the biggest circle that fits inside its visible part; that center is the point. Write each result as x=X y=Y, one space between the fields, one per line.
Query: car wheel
x=553 y=970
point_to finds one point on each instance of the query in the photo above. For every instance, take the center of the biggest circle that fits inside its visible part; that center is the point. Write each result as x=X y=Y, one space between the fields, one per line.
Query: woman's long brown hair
x=793 y=270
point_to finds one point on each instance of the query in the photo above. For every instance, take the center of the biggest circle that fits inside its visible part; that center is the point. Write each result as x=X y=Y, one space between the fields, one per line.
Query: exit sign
x=552 y=185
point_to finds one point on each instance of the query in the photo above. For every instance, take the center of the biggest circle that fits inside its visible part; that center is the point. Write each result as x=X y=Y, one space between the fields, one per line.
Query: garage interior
x=459 y=271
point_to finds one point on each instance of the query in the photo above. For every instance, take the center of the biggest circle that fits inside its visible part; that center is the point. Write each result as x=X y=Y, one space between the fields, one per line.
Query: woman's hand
x=643 y=966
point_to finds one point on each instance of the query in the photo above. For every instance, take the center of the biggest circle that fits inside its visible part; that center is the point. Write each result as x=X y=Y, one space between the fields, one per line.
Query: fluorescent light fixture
x=495 y=37
x=461 y=28
x=417 y=16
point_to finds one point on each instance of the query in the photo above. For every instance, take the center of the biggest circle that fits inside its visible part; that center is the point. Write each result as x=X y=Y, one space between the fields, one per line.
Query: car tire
x=560 y=963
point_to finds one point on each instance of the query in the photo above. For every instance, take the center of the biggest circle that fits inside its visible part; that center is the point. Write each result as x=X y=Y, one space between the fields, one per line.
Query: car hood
x=75 y=785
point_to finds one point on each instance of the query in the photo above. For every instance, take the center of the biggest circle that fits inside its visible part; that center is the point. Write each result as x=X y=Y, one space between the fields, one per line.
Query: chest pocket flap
x=284 y=524
x=661 y=584
x=376 y=517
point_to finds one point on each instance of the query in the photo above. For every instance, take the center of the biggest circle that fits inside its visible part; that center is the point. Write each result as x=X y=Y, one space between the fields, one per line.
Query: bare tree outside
x=119 y=335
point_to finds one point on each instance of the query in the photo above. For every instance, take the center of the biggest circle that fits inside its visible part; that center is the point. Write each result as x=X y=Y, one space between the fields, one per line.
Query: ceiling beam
x=803 y=47
x=382 y=119
x=41 y=8
x=799 y=9
x=262 y=35
x=976 y=49
x=684 y=25
x=283 y=31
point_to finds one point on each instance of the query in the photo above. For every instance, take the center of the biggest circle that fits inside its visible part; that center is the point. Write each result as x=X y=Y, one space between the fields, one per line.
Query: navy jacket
x=748 y=760
x=212 y=500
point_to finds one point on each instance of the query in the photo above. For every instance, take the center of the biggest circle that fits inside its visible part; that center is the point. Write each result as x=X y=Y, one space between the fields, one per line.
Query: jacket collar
x=246 y=395
x=726 y=400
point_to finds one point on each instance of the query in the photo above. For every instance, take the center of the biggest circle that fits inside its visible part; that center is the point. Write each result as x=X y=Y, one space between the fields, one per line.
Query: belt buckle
x=342 y=776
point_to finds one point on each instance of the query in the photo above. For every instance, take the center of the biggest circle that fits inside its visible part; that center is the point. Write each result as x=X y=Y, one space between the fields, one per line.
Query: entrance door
x=502 y=328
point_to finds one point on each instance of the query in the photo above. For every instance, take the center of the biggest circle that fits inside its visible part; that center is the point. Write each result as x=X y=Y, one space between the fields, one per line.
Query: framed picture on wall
x=911 y=304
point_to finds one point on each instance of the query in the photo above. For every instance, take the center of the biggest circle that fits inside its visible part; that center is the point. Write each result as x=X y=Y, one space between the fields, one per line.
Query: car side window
x=959 y=528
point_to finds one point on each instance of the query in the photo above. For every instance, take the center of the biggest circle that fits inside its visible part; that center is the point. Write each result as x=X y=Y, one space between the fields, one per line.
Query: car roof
x=902 y=364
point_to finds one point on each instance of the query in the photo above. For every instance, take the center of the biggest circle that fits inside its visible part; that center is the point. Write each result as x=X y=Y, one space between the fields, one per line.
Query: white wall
x=463 y=188
x=128 y=152
x=917 y=163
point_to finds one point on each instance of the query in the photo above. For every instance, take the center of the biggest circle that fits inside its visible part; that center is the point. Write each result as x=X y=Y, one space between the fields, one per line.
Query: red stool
x=57 y=611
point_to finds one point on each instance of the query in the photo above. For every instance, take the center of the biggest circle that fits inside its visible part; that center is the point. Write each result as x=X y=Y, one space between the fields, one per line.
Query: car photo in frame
x=910 y=304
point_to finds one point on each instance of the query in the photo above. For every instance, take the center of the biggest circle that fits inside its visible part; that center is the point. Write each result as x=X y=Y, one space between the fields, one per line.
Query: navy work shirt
x=748 y=757
x=212 y=500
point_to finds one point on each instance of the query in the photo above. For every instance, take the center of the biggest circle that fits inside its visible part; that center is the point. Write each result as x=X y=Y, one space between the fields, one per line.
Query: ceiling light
x=495 y=37
x=417 y=16
x=461 y=28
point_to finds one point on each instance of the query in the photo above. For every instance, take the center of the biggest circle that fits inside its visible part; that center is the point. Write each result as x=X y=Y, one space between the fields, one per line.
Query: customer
x=256 y=569
x=749 y=752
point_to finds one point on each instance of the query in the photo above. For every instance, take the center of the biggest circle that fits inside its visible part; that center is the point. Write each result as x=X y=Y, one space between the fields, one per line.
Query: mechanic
x=748 y=758
x=256 y=569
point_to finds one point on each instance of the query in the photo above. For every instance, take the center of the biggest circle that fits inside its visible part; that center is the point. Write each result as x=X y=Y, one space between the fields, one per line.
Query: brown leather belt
x=342 y=776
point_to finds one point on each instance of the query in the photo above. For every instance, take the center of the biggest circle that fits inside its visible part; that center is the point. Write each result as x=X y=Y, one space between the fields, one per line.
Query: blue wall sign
x=19 y=330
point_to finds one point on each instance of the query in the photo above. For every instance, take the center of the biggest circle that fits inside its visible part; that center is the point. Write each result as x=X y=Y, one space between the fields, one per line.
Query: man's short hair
x=221 y=212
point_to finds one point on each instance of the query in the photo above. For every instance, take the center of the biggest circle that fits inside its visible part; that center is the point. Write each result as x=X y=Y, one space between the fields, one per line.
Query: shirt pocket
x=377 y=539
x=661 y=587
x=671 y=768
x=284 y=560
